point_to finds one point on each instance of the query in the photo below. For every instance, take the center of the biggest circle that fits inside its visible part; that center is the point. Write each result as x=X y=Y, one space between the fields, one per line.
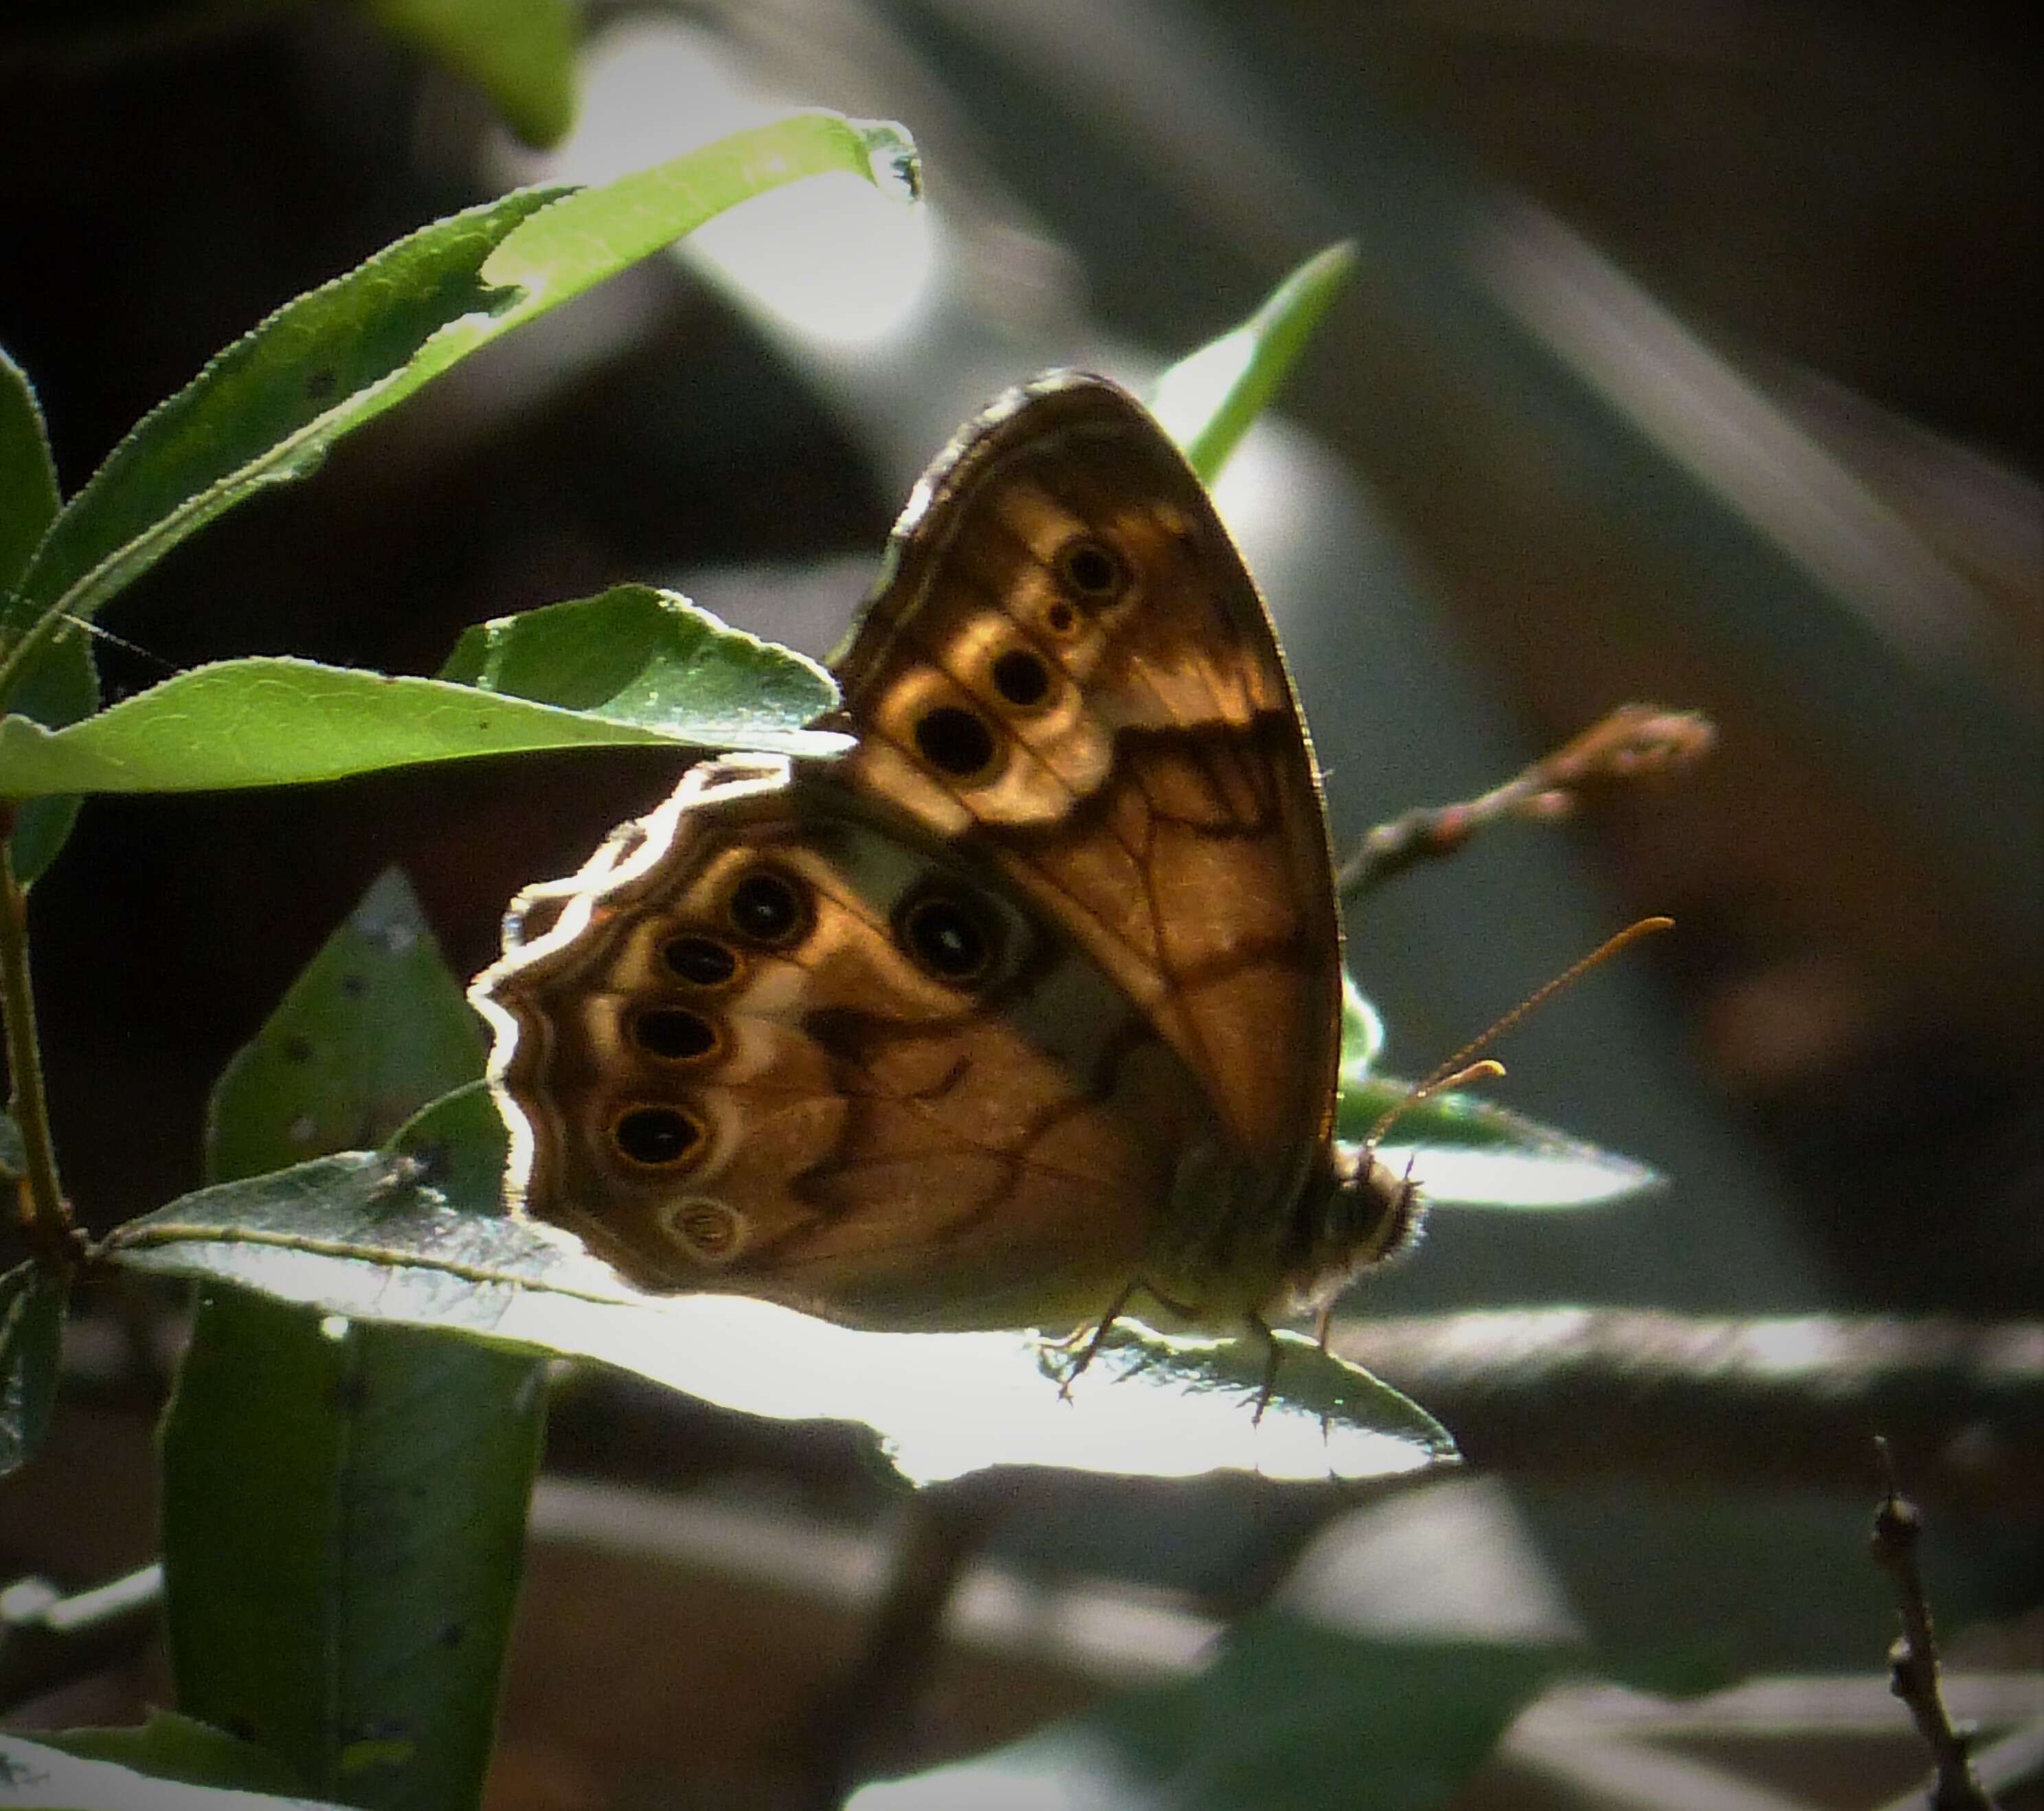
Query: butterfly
x=1027 y=1009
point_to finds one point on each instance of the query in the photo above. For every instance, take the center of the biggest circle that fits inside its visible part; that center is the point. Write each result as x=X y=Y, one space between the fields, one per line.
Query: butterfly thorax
x=1232 y=1246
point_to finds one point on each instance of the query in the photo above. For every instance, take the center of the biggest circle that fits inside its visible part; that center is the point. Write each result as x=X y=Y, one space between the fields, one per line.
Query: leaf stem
x=45 y=1215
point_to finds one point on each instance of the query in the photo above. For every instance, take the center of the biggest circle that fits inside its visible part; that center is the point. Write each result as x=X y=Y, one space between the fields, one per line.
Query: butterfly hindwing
x=772 y=1045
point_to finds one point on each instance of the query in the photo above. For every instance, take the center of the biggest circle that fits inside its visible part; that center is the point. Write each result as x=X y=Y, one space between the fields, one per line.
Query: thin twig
x=1635 y=742
x=45 y=1215
x=1912 y=1660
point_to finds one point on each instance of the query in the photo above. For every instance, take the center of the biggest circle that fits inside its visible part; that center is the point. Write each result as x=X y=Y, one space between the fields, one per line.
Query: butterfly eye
x=706 y=1228
x=946 y=939
x=674 y=1033
x=1093 y=572
x=955 y=741
x=767 y=907
x=1021 y=677
x=656 y=1137
x=701 y=961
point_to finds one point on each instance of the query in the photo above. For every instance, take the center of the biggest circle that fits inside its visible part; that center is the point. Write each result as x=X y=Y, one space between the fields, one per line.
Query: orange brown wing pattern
x=763 y=1043
x=1068 y=672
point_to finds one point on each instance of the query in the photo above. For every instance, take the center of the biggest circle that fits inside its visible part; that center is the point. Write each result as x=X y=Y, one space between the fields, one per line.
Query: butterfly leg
x=1100 y=1332
x=1261 y=1328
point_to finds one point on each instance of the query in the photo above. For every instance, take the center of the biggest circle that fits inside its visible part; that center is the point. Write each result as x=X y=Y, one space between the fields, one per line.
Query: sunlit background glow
x=833 y=261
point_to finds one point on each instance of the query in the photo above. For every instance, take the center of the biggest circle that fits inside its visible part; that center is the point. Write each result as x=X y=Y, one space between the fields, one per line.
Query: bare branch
x=1912 y=1660
x=1752 y=1402
x=1635 y=742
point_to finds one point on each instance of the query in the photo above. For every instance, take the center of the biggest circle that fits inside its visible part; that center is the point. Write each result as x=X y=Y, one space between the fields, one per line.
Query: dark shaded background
x=1841 y=1065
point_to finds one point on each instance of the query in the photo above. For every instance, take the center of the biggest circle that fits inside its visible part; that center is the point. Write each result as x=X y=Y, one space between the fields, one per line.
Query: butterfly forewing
x=1069 y=667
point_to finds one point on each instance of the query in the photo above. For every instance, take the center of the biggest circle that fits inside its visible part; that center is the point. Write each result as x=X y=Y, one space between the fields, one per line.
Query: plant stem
x=1912 y=1661
x=1635 y=742
x=943 y=1528
x=45 y=1214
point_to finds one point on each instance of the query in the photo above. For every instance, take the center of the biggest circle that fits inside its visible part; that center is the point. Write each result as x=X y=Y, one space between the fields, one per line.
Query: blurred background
x=1691 y=356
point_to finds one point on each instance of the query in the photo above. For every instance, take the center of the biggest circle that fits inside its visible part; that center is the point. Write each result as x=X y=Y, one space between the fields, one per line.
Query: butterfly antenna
x=1468 y=1065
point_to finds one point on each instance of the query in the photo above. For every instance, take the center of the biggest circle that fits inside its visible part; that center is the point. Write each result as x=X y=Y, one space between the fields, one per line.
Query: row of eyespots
x=949 y=936
x=768 y=910
x=955 y=739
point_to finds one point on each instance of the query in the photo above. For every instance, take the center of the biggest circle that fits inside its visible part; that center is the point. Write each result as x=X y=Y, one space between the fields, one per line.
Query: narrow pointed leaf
x=638 y=655
x=287 y=722
x=366 y=1235
x=1462 y=1150
x=346 y=1602
x=59 y=687
x=266 y=409
x=29 y=496
x=1467 y=1152
x=1209 y=399
x=375 y=1024
x=520 y=53
x=344 y=1515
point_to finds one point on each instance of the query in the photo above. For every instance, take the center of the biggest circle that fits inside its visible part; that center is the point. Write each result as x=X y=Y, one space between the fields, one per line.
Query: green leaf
x=1362 y=1034
x=640 y=656
x=29 y=496
x=375 y=1024
x=369 y=1235
x=343 y=1506
x=265 y=410
x=32 y=1316
x=36 y=1775
x=287 y=722
x=1287 y=1716
x=174 y=1747
x=1465 y=1152
x=343 y=1518
x=60 y=686
x=519 y=52
x=1209 y=399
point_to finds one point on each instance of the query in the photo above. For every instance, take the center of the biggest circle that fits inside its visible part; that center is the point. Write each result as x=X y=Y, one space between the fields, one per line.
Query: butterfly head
x=1357 y=1213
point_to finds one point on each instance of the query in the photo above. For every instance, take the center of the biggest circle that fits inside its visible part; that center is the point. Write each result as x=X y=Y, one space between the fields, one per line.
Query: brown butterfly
x=1030 y=1006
